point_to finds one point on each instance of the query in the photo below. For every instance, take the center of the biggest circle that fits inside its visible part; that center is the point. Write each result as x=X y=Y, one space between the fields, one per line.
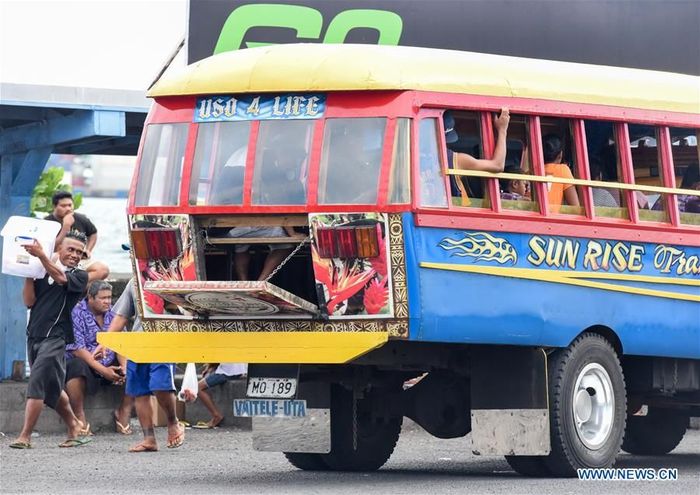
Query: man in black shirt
x=63 y=213
x=50 y=328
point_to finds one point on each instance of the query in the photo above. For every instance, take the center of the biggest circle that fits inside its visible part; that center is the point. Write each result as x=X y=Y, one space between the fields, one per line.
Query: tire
x=306 y=461
x=657 y=433
x=586 y=385
x=376 y=434
x=529 y=465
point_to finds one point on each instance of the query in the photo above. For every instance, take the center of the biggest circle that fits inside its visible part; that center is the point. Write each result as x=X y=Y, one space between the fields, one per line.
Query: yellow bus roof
x=320 y=67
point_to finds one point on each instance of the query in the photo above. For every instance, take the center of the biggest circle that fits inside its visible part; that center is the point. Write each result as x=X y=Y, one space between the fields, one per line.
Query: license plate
x=271 y=408
x=272 y=388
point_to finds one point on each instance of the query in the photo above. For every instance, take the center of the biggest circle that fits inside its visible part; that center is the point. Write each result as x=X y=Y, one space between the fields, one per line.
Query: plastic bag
x=190 y=385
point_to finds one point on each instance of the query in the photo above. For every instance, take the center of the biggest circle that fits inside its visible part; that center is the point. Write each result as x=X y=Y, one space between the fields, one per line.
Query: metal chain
x=296 y=250
x=354 y=419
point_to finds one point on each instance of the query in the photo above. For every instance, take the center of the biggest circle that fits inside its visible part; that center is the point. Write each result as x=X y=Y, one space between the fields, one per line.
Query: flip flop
x=176 y=440
x=202 y=425
x=75 y=442
x=85 y=432
x=20 y=445
x=143 y=448
x=120 y=428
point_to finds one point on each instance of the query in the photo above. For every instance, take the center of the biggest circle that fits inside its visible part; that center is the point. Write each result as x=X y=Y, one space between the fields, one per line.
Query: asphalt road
x=222 y=461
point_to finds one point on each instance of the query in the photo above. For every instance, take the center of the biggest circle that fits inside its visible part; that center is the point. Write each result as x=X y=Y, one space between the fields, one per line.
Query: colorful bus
x=297 y=207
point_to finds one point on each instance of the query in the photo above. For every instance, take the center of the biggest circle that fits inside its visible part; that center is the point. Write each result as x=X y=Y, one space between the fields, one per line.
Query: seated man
x=84 y=373
x=216 y=375
x=278 y=252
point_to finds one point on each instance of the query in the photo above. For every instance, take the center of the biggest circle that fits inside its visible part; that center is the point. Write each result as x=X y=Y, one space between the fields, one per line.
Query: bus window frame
x=421 y=114
x=622 y=139
x=583 y=166
x=663 y=143
x=184 y=172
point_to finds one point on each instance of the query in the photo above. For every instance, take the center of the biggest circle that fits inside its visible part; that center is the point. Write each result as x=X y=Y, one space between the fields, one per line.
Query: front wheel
x=657 y=433
x=587 y=406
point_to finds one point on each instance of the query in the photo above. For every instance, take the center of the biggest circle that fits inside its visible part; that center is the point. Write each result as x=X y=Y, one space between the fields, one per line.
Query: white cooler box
x=21 y=230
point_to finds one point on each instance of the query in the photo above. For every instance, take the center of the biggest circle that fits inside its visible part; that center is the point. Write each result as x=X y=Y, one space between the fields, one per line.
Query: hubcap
x=593 y=405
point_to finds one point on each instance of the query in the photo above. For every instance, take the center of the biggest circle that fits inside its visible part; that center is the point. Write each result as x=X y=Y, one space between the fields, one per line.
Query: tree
x=50 y=182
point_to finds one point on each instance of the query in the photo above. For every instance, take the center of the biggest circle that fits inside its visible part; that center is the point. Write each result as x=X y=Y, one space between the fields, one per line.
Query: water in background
x=109 y=216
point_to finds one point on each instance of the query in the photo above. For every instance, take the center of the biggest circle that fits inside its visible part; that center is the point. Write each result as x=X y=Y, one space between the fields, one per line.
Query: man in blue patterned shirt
x=84 y=373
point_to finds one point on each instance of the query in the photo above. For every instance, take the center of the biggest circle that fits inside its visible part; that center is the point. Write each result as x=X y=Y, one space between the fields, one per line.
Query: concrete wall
x=99 y=408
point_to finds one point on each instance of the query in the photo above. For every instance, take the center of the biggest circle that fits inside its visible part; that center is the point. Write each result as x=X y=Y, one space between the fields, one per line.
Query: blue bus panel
x=524 y=289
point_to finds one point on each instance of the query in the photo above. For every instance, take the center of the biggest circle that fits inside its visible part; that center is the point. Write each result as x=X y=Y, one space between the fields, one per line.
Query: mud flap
x=510 y=413
x=310 y=434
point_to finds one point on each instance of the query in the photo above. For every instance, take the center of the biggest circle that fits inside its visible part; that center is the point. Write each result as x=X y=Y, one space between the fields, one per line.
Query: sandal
x=177 y=440
x=75 y=442
x=120 y=428
x=208 y=425
x=141 y=447
x=20 y=445
x=86 y=432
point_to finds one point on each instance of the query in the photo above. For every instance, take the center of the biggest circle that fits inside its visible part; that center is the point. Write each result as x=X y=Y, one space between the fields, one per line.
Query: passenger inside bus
x=278 y=252
x=601 y=195
x=464 y=187
x=553 y=150
x=514 y=189
x=281 y=183
x=465 y=161
x=352 y=160
x=686 y=202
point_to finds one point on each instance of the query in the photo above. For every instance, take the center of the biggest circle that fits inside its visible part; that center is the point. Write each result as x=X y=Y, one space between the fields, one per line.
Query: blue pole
x=18 y=175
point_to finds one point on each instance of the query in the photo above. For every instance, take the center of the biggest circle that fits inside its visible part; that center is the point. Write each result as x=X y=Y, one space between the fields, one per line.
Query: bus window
x=466 y=138
x=560 y=162
x=432 y=185
x=646 y=162
x=399 y=181
x=219 y=163
x=281 y=162
x=351 y=158
x=518 y=194
x=684 y=149
x=604 y=162
x=160 y=171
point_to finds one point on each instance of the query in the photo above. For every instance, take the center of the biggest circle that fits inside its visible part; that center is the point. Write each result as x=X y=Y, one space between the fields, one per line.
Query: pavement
x=222 y=461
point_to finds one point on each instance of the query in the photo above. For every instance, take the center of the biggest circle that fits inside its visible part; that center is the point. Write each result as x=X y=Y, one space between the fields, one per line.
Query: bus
x=297 y=207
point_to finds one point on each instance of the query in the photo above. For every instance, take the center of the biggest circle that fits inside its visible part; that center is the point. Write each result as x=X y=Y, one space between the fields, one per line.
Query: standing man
x=84 y=373
x=144 y=379
x=51 y=300
x=63 y=213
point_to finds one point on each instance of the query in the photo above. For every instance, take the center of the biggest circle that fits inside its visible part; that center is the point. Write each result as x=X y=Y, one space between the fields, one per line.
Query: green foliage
x=49 y=183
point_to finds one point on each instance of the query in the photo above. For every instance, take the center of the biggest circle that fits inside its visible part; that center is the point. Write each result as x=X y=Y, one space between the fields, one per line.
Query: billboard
x=648 y=34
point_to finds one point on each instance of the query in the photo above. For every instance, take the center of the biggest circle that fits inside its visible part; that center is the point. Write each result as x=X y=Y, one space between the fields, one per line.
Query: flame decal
x=482 y=247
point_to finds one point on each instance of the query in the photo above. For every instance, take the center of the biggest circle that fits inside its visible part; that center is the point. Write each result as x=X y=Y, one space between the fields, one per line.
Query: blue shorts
x=143 y=379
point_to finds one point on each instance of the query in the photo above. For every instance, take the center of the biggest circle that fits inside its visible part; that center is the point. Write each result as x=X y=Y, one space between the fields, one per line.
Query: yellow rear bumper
x=242 y=347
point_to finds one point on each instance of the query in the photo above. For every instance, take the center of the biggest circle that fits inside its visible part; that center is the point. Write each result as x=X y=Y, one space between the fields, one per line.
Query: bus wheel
x=588 y=403
x=657 y=433
x=367 y=445
x=529 y=465
x=306 y=461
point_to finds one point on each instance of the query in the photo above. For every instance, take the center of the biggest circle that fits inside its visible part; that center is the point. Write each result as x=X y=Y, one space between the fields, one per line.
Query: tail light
x=348 y=242
x=156 y=243
x=347 y=247
x=325 y=243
